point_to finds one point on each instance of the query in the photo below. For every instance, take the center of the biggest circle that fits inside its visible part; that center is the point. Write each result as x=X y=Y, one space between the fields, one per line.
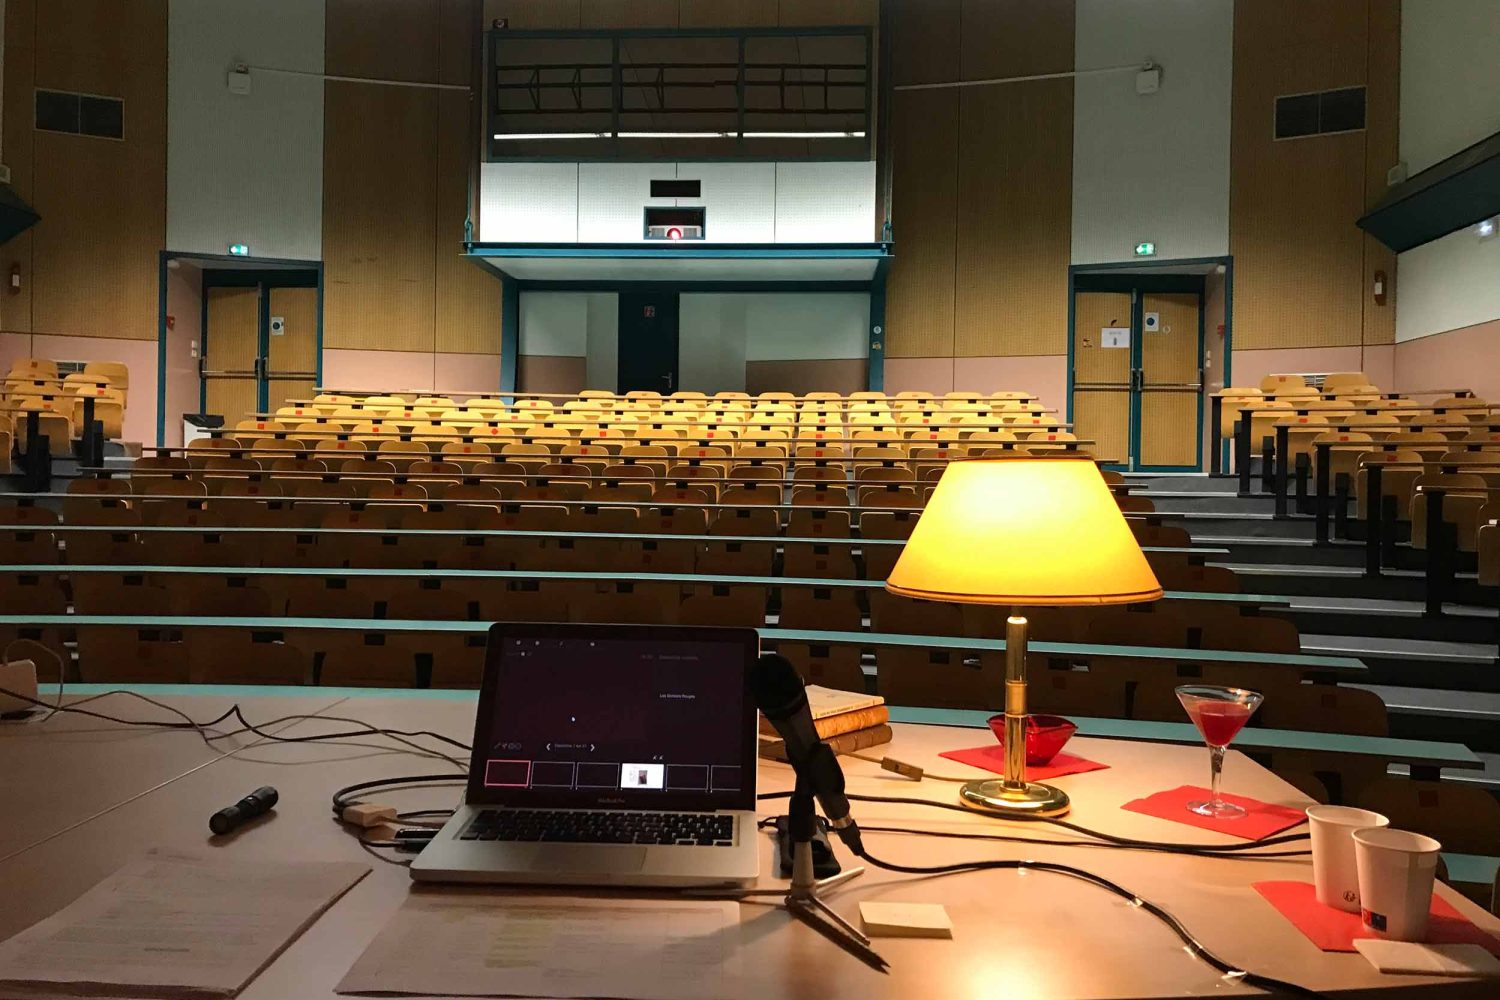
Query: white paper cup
x=1396 y=869
x=1335 y=873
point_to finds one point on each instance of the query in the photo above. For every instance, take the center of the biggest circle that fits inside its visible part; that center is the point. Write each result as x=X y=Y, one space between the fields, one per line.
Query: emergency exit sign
x=1145 y=249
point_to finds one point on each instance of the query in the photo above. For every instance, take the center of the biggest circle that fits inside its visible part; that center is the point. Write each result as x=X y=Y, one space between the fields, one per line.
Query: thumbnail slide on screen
x=643 y=776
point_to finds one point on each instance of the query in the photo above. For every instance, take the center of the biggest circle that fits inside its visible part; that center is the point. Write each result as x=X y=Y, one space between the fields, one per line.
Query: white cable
x=1070 y=74
x=359 y=79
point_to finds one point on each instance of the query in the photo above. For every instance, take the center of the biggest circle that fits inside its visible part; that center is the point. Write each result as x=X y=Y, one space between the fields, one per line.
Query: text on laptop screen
x=612 y=721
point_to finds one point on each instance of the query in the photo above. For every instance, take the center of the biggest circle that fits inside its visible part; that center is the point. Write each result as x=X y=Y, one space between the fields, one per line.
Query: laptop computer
x=608 y=755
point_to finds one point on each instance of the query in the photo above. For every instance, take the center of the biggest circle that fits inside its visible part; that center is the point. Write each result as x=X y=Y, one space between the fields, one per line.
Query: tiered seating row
x=42 y=414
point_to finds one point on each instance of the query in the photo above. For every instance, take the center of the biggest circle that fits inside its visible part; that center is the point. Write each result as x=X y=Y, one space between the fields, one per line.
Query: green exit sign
x=1145 y=249
x=239 y=250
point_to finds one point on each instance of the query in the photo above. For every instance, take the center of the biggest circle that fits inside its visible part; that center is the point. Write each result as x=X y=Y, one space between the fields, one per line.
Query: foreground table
x=1015 y=933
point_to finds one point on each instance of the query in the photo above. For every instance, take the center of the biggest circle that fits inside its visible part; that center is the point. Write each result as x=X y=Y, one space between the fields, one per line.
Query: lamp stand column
x=1014 y=795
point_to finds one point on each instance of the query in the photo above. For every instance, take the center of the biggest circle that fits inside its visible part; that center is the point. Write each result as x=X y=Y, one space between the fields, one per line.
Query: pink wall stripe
x=1458 y=359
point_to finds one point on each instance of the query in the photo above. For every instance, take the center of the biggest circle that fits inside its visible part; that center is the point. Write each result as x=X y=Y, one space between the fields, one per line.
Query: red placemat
x=1336 y=930
x=1263 y=820
x=992 y=758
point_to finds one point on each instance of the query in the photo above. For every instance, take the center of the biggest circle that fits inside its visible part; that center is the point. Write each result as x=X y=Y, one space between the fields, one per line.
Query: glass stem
x=1216 y=763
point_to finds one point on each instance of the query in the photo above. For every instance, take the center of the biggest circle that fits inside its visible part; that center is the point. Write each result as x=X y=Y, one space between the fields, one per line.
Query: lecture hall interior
x=676 y=499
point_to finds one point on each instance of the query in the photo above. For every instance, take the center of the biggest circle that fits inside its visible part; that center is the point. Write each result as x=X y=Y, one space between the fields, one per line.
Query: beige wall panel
x=628 y=13
x=1302 y=269
x=102 y=47
x=533 y=14
x=1382 y=150
x=456 y=39
x=1298 y=257
x=102 y=202
x=1016 y=38
x=467 y=306
x=379 y=227
x=1298 y=46
x=95 y=251
x=728 y=13
x=924 y=37
x=1015 y=191
x=1104 y=418
x=1169 y=422
x=919 y=310
x=798 y=13
x=19 y=108
x=383 y=39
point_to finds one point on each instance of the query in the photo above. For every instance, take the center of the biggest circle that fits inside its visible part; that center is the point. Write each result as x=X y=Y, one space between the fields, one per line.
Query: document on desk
x=174 y=925
x=468 y=945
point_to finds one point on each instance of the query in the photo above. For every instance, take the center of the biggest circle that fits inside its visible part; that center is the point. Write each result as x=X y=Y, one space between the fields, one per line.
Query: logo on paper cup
x=1374 y=921
x=1350 y=896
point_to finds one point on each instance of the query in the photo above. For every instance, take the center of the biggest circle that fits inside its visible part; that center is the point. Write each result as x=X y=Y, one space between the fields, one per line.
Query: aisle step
x=1324 y=579
x=1415 y=663
x=1328 y=614
x=1468 y=717
x=1284 y=551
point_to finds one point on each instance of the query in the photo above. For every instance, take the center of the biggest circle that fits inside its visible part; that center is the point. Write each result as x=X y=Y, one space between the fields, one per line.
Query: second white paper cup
x=1396 y=870
x=1335 y=873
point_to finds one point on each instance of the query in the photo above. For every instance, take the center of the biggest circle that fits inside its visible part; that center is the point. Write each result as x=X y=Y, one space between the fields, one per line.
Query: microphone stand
x=803 y=898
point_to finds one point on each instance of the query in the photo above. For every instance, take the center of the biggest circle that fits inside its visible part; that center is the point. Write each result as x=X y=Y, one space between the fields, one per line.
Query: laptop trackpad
x=588 y=859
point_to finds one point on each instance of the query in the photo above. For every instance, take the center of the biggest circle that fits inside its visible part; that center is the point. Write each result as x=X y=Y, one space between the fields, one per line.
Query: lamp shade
x=1023 y=531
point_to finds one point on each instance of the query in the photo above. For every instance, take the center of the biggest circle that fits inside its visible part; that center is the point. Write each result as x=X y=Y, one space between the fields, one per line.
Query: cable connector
x=902 y=768
x=368 y=814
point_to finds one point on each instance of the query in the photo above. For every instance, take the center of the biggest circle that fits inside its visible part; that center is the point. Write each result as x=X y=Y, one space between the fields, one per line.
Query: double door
x=260 y=346
x=1137 y=379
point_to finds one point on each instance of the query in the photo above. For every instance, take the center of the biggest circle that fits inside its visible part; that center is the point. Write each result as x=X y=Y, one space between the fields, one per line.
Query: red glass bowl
x=1046 y=735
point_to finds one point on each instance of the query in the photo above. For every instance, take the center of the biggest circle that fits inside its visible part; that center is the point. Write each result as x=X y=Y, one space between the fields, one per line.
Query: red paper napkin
x=992 y=758
x=1336 y=930
x=1263 y=820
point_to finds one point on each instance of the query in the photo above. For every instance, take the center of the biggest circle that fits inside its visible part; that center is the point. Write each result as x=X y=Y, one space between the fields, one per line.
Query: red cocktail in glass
x=1219 y=713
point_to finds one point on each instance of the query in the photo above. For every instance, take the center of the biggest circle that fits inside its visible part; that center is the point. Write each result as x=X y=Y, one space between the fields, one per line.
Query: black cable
x=344 y=797
x=1201 y=850
x=1193 y=944
x=235 y=712
x=955 y=835
x=369 y=848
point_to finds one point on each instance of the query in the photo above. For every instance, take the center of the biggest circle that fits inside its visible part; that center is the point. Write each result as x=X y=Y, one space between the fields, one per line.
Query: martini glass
x=1219 y=713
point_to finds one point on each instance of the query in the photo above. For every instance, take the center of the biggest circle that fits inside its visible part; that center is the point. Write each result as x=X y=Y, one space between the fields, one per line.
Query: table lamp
x=1022 y=531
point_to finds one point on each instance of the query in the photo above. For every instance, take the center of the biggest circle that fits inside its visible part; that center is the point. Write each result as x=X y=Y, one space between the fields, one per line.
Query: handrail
x=501 y=394
x=361 y=502
x=1321 y=664
x=835 y=542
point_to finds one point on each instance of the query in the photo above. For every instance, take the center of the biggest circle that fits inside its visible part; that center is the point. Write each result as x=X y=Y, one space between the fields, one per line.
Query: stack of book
x=846 y=720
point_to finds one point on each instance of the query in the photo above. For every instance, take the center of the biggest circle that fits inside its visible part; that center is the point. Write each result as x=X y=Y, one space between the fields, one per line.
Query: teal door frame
x=1138 y=281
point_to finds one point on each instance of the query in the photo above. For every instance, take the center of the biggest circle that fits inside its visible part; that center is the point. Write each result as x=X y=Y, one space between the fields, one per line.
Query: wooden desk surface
x=1015 y=934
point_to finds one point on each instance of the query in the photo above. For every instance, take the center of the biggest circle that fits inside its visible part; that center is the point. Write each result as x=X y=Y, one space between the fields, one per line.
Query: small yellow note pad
x=905 y=920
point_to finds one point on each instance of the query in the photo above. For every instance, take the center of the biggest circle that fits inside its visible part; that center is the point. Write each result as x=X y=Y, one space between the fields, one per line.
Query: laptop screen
x=616 y=716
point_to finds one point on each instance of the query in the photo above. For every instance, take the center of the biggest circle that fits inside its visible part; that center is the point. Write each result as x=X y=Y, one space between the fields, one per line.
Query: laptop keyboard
x=576 y=826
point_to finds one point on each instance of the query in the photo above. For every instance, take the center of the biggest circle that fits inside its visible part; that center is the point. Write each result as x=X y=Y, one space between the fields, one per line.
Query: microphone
x=779 y=694
x=231 y=818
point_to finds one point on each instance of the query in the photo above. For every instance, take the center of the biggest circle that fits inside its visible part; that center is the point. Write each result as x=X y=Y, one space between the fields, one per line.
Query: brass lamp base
x=1028 y=800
